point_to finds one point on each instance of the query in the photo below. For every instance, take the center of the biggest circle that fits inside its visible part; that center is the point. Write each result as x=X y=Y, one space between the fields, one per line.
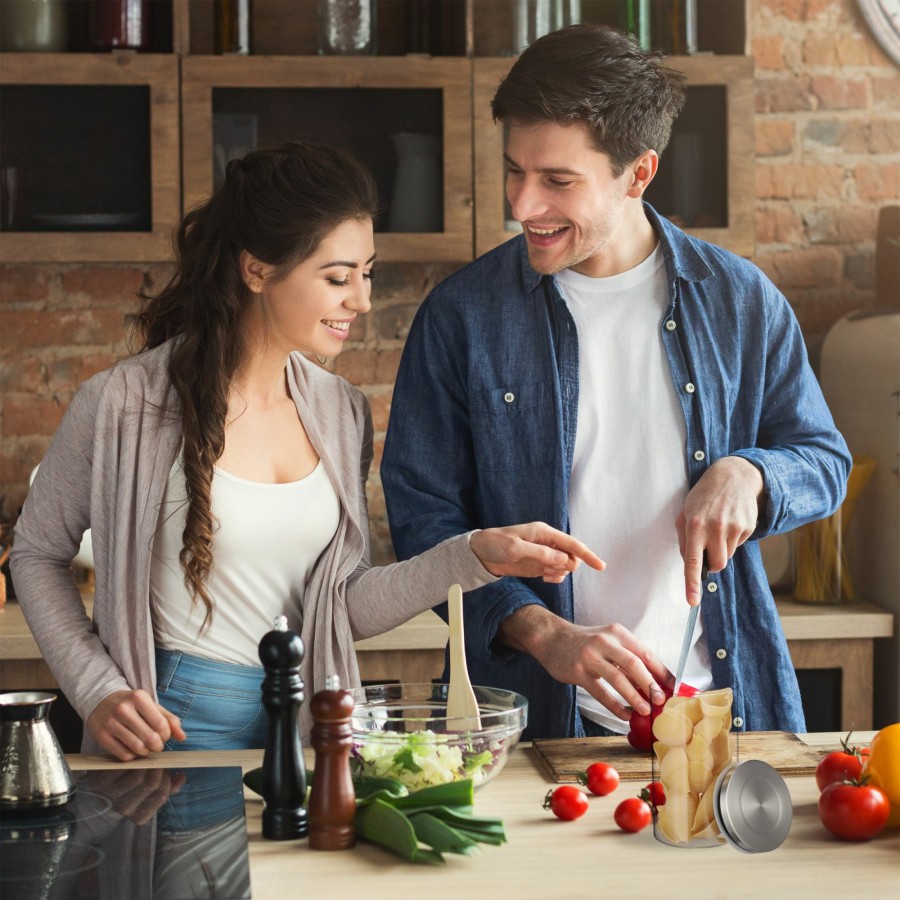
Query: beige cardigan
x=106 y=470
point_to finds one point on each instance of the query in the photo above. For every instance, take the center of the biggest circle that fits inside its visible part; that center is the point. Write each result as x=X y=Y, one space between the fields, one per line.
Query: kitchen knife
x=689 y=634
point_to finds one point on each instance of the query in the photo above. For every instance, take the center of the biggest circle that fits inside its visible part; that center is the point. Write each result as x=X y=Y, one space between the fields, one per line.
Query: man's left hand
x=719 y=513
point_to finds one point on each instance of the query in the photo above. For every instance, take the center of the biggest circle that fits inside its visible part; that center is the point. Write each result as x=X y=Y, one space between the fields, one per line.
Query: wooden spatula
x=461 y=702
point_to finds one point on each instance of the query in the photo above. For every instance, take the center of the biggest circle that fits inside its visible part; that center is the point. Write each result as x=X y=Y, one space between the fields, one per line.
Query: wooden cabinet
x=111 y=148
x=93 y=140
x=355 y=102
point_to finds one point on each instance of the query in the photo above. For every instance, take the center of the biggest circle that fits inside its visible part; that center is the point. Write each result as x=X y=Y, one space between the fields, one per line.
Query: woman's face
x=311 y=308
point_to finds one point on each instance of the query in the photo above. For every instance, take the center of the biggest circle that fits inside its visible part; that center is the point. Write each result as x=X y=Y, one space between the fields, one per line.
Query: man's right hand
x=129 y=724
x=581 y=655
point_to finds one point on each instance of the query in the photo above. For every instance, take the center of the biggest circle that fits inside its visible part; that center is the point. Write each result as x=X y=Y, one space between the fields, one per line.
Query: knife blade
x=689 y=634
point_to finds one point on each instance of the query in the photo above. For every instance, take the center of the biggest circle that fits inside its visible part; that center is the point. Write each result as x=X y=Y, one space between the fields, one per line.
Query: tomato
x=854 y=811
x=839 y=766
x=600 y=777
x=882 y=768
x=640 y=733
x=654 y=794
x=633 y=814
x=567 y=802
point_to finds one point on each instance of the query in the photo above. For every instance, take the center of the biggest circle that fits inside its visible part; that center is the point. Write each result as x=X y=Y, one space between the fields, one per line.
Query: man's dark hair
x=598 y=77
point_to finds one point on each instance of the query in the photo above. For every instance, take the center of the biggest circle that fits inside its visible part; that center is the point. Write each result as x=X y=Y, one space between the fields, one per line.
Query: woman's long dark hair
x=278 y=205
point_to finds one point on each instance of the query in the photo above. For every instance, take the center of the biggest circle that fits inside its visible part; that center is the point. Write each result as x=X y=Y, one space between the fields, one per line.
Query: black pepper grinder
x=332 y=799
x=284 y=773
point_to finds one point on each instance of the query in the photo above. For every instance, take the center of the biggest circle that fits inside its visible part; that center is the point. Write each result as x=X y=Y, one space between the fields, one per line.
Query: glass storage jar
x=692 y=746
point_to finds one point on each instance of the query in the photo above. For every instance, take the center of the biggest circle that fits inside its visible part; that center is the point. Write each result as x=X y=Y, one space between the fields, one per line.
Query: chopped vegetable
x=423 y=758
x=438 y=817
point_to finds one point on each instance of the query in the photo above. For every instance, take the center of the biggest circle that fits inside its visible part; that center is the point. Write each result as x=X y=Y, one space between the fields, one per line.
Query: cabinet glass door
x=89 y=155
x=407 y=119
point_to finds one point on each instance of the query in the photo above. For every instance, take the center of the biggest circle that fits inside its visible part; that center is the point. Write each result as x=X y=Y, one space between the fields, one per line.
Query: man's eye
x=513 y=173
x=337 y=282
x=557 y=183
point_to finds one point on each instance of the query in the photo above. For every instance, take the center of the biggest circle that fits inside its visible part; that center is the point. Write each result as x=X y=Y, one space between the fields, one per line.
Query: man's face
x=572 y=209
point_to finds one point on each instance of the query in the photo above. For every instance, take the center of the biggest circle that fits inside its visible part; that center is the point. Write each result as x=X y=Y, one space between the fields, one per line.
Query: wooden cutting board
x=564 y=758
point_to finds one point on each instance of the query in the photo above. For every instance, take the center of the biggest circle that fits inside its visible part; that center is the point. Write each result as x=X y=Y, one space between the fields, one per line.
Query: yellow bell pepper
x=883 y=768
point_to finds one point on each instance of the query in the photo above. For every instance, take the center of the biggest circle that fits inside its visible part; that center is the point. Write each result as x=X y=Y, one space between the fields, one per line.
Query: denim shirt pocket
x=514 y=427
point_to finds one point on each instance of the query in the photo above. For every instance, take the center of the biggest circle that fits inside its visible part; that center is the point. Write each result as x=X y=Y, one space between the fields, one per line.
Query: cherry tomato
x=854 y=811
x=654 y=794
x=600 y=777
x=840 y=765
x=567 y=802
x=633 y=814
x=640 y=733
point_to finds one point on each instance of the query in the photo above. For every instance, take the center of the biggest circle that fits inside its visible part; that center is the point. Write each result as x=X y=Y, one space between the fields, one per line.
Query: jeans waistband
x=198 y=668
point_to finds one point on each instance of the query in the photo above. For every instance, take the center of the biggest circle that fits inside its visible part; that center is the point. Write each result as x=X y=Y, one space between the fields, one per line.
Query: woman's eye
x=370 y=275
x=338 y=282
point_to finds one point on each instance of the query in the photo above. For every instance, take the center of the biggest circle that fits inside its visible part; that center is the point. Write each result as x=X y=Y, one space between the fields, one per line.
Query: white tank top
x=268 y=539
x=629 y=472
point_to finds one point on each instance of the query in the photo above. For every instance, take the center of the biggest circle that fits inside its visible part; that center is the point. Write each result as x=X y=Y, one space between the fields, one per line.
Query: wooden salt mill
x=332 y=799
x=284 y=772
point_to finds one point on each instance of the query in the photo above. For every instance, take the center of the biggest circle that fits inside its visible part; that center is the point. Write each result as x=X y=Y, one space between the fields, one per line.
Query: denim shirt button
x=738 y=722
x=670 y=325
x=689 y=388
x=699 y=455
x=509 y=396
x=721 y=654
x=712 y=587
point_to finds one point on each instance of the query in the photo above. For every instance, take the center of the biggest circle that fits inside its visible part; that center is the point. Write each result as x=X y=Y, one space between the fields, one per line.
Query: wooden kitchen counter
x=553 y=859
x=819 y=637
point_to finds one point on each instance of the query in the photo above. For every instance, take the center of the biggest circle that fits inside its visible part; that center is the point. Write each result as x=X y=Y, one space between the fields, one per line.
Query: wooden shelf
x=186 y=86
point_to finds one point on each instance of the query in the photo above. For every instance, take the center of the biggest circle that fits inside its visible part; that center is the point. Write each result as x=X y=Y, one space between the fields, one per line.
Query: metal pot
x=33 y=771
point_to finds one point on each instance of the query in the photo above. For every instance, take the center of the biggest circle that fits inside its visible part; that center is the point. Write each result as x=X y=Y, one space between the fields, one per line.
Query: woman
x=223 y=478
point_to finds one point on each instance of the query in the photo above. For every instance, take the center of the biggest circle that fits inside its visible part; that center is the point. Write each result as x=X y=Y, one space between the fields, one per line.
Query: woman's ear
x=642 y=170
x=254 y=272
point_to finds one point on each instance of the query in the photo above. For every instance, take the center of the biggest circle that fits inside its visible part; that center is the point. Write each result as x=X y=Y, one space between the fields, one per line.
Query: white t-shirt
x=629 y=473
x=268 y=539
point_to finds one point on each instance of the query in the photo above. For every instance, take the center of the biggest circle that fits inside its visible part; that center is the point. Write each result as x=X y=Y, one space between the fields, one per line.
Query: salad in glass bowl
x=402 y=731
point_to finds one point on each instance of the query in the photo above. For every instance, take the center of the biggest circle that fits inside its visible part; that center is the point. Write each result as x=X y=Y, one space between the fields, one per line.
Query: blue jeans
x=219 y=704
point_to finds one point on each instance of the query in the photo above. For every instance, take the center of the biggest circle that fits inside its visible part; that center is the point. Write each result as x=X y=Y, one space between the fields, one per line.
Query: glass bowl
x=402 y=731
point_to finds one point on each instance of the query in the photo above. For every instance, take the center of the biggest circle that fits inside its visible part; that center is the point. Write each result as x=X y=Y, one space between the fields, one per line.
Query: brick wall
x=827 y=154
x=827 y=132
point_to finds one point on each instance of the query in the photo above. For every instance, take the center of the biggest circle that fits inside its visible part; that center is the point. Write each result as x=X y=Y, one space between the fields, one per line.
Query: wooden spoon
x=461 y=702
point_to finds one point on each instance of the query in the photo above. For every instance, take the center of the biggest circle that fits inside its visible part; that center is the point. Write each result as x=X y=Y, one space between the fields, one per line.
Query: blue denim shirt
x=482 y=433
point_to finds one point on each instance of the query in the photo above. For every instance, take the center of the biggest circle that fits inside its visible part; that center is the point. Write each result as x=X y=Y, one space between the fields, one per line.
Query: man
x=610 y=375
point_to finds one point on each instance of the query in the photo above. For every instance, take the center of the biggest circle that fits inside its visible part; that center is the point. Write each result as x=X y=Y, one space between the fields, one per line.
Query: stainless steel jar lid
x=752 y=806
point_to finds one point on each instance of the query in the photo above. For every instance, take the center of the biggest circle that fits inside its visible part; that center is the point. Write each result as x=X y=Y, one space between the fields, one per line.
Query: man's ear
x=642 y=170
x=254 y=272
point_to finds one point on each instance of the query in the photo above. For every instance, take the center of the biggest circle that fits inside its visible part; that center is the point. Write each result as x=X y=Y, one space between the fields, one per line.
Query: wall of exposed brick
x=827 y=153
x=827 y=141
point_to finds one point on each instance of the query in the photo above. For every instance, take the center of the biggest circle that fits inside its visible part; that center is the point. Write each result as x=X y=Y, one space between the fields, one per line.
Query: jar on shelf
x=347 y=27
x=232 y=27
x=535 y=18
x=674 y=26
x=119 y=24
x=33 y=26
x=634 y=17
